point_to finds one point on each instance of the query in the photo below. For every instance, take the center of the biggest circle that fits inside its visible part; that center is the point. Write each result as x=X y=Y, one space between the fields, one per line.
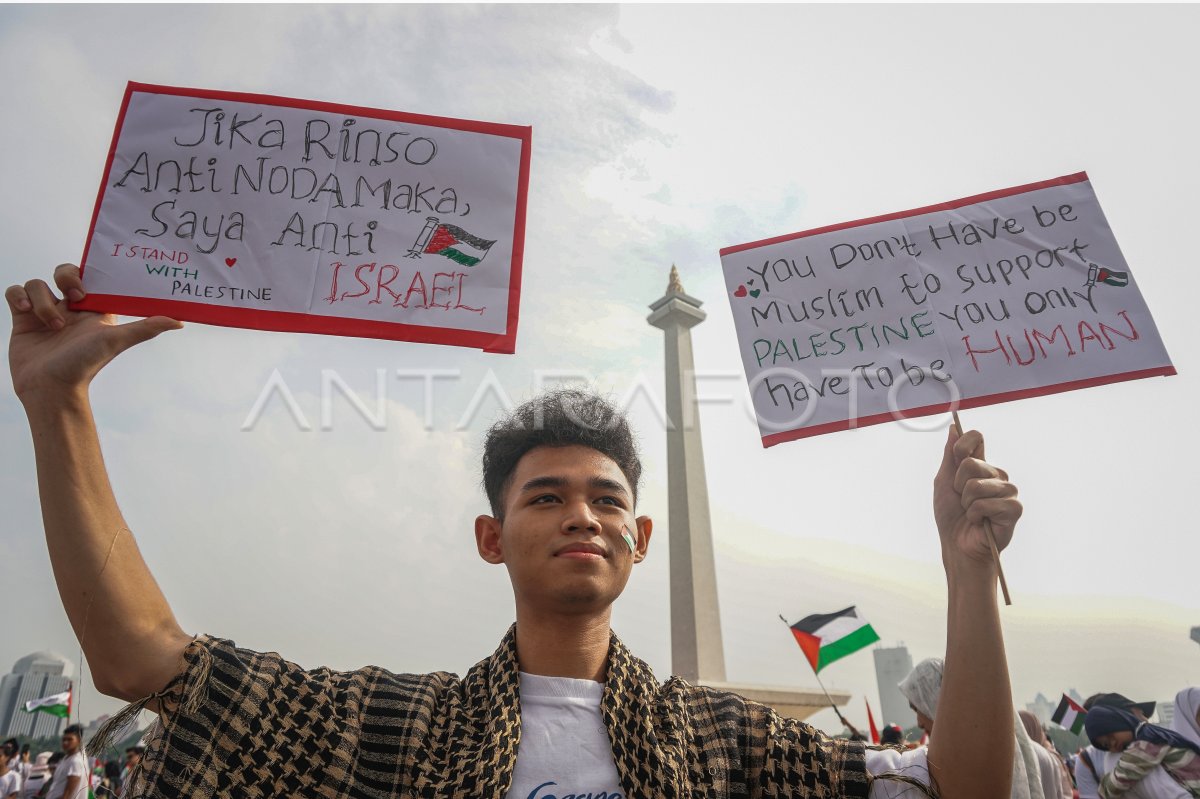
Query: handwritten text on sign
x=290 y=215
x=986 y=299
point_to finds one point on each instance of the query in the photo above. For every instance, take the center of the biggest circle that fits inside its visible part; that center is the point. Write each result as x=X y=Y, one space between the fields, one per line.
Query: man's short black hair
x=557 y=419
x=76 y=730
x=136 y=750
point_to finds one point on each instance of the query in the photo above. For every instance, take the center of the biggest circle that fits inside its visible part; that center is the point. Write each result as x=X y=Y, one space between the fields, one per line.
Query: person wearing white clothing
x=70 y=780
x=1186 y=721
x=10 y=780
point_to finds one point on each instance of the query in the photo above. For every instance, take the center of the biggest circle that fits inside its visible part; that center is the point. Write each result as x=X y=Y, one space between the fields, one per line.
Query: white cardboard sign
x=986 y=299
x=282 y=214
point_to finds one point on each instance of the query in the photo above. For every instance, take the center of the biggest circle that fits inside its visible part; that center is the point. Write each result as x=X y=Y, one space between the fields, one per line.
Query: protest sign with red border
x=274 y=213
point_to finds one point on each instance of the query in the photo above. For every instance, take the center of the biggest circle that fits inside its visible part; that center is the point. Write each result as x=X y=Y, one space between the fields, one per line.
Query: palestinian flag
x=827 y=637
x=56 y=705
x=1069 y=715
x=1112 y=278
x=458 y=245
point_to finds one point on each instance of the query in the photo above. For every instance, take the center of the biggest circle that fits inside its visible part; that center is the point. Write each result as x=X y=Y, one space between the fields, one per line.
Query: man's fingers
x=133 y=333
x=1003 y=514
x=969 y=445
x=975 y=469
x=978 y=490
x=18 y=300
x=45 y=304
x=69 y=281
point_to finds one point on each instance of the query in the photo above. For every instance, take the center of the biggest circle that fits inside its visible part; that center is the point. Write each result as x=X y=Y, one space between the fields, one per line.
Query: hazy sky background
x=660 y=134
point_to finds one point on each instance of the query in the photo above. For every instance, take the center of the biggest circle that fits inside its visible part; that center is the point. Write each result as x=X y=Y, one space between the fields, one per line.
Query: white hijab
x=922 y=687
x=1187 y=704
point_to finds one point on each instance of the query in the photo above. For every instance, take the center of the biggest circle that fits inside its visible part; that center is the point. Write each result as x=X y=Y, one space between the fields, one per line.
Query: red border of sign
x=974 y=402
x=772 y=439
x=1065 y=180
x=313 y=323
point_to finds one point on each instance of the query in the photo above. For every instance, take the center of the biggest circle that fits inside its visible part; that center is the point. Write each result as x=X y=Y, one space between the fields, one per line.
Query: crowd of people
x=1128 y=756
x=70 y=773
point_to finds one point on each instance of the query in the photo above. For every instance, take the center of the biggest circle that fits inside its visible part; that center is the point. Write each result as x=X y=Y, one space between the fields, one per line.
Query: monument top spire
x=673 y=284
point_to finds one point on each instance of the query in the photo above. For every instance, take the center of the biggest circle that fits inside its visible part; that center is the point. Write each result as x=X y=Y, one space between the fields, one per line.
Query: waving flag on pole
x=827 y=637
x=871 y=723
x=56 y=705
x=1069 y=715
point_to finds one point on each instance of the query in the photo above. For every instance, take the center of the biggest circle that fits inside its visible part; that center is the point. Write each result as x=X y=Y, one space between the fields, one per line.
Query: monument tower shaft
x=697 y=650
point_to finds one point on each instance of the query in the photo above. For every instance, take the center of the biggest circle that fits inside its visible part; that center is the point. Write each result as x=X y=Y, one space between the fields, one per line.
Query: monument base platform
x=795 y=703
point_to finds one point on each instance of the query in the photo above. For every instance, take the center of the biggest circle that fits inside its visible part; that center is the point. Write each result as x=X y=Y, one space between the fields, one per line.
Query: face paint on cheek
x=628 y=539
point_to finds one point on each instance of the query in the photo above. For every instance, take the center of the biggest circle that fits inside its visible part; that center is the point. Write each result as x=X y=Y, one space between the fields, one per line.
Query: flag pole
x=827 y=696
x=987 y=528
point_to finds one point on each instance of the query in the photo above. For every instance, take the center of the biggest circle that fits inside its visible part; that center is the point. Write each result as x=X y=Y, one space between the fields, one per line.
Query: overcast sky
x=660 y=135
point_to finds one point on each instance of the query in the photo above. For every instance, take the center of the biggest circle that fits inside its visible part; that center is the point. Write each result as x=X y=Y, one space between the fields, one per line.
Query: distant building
x=33 y=677
x=93 y=726
x=1042 y=708
x=1166 y=714
x=1196 y=634
x=892 y=664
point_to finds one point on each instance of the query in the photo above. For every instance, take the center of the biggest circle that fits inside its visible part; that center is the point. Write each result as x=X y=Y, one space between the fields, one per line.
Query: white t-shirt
x=565 y=751
x=10 y=783
x=1158 y=784
x=73 y=766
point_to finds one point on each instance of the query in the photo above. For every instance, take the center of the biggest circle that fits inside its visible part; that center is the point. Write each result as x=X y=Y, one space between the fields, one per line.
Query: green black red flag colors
x=458 y=245
x=826 y=637
x=1069 y=715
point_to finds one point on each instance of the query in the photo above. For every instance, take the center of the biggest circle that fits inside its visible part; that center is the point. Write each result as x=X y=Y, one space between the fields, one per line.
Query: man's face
x=923 y=721
x=561 y=539
x=70 y=743
x=131 y=759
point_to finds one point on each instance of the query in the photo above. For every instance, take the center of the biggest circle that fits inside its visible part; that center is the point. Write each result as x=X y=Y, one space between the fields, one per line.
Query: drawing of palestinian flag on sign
x=1099 y=274
x=457 y=244
x=827 y=637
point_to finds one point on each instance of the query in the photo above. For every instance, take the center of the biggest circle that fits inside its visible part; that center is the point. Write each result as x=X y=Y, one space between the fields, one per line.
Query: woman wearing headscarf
x=1187 y=714
x=922 y=687
x=1143 y=746
x=1056 y=783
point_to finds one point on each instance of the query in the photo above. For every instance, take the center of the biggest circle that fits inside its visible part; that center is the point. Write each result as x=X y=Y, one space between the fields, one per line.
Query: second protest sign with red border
x=990 y=298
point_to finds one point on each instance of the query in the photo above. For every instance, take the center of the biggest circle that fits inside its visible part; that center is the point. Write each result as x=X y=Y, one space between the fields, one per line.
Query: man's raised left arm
x=971 y=748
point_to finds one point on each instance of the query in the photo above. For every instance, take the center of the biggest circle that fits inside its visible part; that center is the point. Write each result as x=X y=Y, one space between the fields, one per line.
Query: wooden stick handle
x=987 y=528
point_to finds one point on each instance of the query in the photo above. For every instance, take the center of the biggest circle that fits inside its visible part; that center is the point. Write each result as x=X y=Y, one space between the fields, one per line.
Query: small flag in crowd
x=56 y=705
x=1069 y=715
x=827 y=637
x=871 y=723
x=458 y=245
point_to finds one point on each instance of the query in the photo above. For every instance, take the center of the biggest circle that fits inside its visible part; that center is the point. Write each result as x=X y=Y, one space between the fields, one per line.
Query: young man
x=561 y=709
x=133 y=758
x=10 y=779
x=70 y=780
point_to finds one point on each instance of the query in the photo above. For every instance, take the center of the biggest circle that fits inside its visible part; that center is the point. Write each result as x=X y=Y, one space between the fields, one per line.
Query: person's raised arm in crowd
x=971 y=754
x=128 y=632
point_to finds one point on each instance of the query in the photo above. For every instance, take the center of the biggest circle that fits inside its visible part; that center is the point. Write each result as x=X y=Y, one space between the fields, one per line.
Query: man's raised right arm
x=133 y=643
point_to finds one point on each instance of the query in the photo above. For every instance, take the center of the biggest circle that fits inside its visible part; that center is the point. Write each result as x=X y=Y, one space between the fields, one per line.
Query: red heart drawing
x=741 y=291
x=230 y=262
